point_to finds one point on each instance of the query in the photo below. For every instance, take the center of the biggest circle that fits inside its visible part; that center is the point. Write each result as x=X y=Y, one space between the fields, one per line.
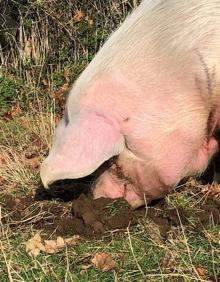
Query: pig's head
x=144 y=99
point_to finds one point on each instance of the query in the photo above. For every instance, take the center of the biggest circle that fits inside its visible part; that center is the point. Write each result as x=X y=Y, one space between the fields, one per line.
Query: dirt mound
x=93 y=218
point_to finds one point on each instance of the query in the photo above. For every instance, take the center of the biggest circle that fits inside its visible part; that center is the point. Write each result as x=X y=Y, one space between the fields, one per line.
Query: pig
x=149 y=100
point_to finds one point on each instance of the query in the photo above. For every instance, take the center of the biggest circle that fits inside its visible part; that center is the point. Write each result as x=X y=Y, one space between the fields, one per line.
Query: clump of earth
x=60 y=213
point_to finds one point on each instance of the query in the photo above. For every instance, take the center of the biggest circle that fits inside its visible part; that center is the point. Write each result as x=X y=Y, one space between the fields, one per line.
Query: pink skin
x=159 y=161
x=160 y=134
x=143 y=184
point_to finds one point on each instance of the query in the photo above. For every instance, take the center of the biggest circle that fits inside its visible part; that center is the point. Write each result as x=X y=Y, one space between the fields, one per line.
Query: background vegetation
x=44 y=46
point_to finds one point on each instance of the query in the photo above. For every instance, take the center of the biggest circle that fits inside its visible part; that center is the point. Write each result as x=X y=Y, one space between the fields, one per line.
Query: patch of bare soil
x=93 y=218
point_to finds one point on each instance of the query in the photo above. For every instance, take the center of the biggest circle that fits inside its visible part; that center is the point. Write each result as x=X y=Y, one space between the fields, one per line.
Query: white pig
x=151 y=97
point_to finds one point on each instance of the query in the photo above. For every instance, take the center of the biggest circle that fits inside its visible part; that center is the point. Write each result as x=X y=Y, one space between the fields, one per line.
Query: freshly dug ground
x=58 y=213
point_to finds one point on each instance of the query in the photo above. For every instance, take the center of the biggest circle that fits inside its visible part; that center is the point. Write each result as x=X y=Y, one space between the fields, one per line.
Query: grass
x=141 y=253
x=40 y=40
x=187 y=253
x=43 y=51
x=138 y=258
x=23 y=142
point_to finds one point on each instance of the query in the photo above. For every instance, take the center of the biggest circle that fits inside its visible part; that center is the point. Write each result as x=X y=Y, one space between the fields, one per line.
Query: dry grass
x=139 y=258
x=40 y=42
x=141 y=252
x=24 y=142
x=41 y=37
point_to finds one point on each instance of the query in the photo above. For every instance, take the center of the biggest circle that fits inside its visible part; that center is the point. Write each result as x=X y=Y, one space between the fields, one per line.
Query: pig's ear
x=80 y=147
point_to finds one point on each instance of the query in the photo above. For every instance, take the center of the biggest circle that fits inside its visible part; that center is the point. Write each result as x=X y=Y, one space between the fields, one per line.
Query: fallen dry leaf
x=61 y=91
x=45 y=82
x=215 y=188
x=200 y=271
x=13 y=112
x=89 y=20
x=79 y=15
x=103 y=262
x=212 y=190
x=33 y=163
x=30 y=154
x=19 y=203
x=168 y=260
x=35 y=245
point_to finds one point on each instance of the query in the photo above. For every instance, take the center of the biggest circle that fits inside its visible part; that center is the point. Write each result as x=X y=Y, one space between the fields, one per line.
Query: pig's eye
x=66 y=117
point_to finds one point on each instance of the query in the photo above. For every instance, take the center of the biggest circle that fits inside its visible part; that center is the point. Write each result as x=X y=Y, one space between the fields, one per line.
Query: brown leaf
x=201 y=271
x=89 y=20
x=215 y=189
x=45 y=82
x=20 y=203
x=103 y=262
x=61 y=91
x=30 y=154
x=79 y=15
x=35 y=139
x=13 y=112
x=33 y=163
x=35 y=245
x=212 y=190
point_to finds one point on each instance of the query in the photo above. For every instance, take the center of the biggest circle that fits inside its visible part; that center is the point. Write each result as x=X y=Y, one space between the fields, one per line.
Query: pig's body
x=150 y=96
